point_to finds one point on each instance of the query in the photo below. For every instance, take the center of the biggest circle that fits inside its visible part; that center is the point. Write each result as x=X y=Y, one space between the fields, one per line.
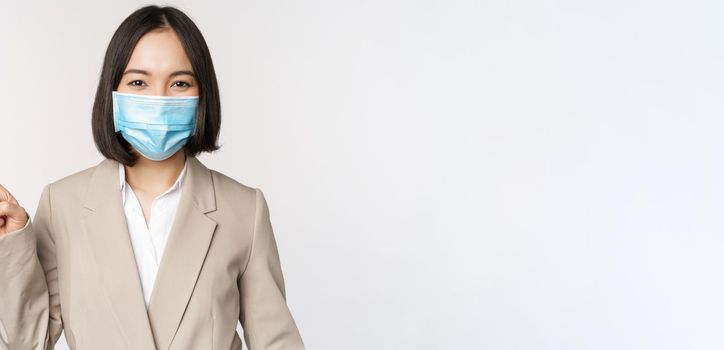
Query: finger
x=12 y=211
x=12 y=199
x=5 y=195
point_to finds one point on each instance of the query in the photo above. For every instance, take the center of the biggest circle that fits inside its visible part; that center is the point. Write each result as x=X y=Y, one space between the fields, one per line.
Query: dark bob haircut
x=208 y=116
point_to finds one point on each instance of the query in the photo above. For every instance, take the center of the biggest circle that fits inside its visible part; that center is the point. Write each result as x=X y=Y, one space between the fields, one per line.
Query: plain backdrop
x=441 y=174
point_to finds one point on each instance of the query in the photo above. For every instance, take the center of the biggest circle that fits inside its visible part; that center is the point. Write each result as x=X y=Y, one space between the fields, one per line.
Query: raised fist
x=12 y=216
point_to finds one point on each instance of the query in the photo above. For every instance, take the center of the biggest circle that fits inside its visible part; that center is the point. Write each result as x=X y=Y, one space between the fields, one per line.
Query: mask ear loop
x=196 y=121
x=196 y=118
x=114 y=97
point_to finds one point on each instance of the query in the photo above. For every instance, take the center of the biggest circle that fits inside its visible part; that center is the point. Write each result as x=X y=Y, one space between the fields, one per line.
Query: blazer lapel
x=184 y=253
x=107 y=232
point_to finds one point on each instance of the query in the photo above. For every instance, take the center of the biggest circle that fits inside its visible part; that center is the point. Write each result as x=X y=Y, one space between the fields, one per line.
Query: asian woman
x=148 y=249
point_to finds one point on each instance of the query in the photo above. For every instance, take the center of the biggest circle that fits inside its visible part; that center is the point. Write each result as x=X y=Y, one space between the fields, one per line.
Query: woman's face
x=159 y=66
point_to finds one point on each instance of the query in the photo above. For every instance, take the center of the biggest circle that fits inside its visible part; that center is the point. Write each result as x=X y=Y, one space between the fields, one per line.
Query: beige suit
x=72 y=268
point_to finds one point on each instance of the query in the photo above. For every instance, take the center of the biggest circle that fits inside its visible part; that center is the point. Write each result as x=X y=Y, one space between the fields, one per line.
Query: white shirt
x=149 y=241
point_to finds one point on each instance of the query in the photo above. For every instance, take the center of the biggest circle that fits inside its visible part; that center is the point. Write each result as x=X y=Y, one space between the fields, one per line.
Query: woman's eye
x=181 y=84
x=136 y=83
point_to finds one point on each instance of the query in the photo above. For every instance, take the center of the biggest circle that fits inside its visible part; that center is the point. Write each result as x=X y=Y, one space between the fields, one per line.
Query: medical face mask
x=156 y=126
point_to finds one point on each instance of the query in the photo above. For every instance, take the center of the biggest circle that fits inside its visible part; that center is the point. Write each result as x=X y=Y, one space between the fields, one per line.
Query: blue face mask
x=156 y=126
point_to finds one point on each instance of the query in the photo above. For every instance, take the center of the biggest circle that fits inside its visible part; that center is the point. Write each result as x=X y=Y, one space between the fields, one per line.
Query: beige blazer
x=72 y=268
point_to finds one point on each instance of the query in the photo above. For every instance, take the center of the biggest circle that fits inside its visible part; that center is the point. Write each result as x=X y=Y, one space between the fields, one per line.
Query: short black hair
x=208 y=122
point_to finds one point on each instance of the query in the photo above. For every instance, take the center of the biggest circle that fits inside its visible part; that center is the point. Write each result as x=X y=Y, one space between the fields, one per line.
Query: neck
x=152 y=176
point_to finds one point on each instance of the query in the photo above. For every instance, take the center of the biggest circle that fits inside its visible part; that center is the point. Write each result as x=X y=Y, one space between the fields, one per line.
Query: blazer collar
x=203 y=192
x=176 y=185
x=106 y=230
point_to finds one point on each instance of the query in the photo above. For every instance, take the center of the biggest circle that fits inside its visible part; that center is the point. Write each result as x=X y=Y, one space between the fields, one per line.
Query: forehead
x=159 y=51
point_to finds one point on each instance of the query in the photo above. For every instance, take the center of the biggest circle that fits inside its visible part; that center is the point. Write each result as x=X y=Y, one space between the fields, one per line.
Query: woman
x=148 y=249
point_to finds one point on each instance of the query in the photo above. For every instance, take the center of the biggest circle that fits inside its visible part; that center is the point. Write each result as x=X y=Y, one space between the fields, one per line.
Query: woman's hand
x=12 y=216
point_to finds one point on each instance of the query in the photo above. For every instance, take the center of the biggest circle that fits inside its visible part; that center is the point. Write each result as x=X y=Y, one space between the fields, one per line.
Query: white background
x=440 y=174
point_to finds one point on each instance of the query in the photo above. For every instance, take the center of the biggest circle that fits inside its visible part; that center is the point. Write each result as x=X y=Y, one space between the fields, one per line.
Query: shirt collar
x=178 y=184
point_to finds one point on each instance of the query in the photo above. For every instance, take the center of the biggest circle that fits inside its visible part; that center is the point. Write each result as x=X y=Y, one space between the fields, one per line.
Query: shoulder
x=224 y=183
x=232 y=191
x=72 y=186
x=243 y=202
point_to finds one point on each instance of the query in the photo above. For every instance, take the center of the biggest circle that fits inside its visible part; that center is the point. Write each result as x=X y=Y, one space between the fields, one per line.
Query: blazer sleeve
x=267 y=322
x=29 y=302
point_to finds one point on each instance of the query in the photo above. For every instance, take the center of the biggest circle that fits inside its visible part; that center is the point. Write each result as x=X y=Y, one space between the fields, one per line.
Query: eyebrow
x=176 y=73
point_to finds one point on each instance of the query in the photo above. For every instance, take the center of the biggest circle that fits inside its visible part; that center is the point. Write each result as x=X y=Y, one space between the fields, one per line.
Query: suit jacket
x=72 y=268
